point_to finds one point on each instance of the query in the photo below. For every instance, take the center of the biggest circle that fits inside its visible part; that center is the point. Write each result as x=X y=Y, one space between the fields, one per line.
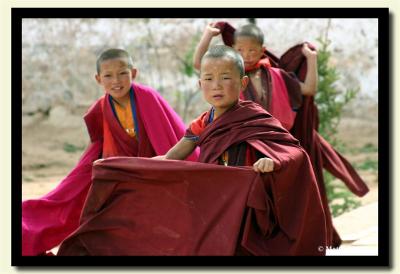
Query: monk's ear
x=245 y=81
x=264 y=48
x=134 y=73
x=98 y=79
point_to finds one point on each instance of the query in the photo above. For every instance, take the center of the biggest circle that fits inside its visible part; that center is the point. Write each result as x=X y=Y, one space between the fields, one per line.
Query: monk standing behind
x=129 y=120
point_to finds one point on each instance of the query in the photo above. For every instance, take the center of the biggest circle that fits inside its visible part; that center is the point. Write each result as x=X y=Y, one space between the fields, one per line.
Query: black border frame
x=384 y=140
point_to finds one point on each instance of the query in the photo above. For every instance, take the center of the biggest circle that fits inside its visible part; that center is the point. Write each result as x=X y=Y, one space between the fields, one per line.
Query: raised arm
x=209 y=32
x=310 y=84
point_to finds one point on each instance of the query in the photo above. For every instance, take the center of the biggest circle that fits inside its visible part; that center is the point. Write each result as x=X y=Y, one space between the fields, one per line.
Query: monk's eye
x=124 y=72
x=207 y=79
x=107 y=76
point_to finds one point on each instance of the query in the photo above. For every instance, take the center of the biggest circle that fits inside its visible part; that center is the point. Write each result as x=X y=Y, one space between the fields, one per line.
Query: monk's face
x=221 y=83
x=250 y=49
x=116 y=78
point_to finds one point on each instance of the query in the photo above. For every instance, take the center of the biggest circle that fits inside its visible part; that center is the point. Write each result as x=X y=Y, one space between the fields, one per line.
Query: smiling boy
x=130 y=119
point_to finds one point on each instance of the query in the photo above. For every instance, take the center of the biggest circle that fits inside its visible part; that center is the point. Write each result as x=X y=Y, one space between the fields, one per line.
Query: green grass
x=27 y=179
x=71 y=148
x=340 y=198
x=367 y=148
x=38 y=166
x=368 y=164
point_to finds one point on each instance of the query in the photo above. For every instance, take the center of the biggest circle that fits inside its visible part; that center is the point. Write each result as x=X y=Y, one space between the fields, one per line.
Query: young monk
x=222 y=79
x=235 y=132
x=129 y=120
x=274 y=89
x=149 y=207
x=289 y=98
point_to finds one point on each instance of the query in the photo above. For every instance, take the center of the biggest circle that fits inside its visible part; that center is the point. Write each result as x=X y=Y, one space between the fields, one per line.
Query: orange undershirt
x=124 y=114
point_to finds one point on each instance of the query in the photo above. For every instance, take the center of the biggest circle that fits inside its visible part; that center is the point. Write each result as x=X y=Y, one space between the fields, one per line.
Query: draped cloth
x=305 y=129
x=140 y=206
x=46 y=221
x=322 y=154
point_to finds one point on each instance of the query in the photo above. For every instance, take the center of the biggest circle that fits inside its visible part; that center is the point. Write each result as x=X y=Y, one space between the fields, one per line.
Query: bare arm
x=205 y=40
x=181 y=150
x=310 y=85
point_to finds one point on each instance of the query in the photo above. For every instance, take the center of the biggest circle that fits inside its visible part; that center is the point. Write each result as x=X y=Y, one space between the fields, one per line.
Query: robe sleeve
x=189 y=135
x=293 y=89
x=196 y=127
x=94 y=121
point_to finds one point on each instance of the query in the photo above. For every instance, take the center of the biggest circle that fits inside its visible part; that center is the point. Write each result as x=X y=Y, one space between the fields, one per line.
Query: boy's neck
x=124 y=101
x=263 y=62
x=219 y=111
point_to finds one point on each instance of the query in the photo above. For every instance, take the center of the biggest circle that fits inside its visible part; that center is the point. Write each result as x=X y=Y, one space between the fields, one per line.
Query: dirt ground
x=49 y=153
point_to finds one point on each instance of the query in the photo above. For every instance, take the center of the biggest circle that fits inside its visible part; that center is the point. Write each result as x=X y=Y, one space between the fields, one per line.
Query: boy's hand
x=211 y=30
x=308 y=52
x=159 y=157
x=263 y=165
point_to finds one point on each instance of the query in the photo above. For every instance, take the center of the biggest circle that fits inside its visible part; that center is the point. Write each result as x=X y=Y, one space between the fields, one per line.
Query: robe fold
x=46 y=221
x=305 y=129
x=322 y=154
x=139 y=206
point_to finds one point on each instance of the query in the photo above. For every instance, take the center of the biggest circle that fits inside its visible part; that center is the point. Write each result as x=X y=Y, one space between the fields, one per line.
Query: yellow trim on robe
x=125 y=117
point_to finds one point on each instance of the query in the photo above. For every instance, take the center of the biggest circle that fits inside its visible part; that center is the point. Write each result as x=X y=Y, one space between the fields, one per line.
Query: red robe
x=142 y=206
x=282 y=94
x=46 y=221
x=305 y=129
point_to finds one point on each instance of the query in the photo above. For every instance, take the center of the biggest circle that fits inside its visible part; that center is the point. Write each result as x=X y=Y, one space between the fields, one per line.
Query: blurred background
x=58 y=84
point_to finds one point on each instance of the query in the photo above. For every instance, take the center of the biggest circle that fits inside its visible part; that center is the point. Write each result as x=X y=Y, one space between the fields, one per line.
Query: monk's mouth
x=117 y=89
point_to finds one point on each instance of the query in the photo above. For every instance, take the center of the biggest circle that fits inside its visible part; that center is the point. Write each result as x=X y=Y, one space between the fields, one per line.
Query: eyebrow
x=118 y=69
x=225 y=72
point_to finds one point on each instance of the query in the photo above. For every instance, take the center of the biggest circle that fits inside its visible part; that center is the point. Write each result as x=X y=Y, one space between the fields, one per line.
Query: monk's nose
x=115 y=80
x=216 y=84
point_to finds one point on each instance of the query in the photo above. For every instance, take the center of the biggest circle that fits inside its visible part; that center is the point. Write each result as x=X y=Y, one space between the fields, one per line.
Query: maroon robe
x=142 y=206
x=305 y=129
x=46 y=221
x=322 y=154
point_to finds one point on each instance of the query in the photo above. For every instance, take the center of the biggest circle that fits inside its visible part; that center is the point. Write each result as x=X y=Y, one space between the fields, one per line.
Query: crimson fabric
x=282 y=94
x=293 y=185
x=116 y=142
x=280 y=105
x=142 y=206
x=307 y=119
x=46 y=221
x=305 y=129
x=139 y=206
x=321 y=153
